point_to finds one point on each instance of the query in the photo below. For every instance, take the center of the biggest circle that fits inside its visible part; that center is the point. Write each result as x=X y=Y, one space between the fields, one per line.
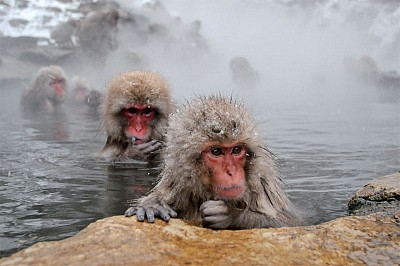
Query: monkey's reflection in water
x=125 y=183
x=48 y=126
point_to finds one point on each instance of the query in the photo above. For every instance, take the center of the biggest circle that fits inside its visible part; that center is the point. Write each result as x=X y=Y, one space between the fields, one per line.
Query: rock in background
x=380 y=195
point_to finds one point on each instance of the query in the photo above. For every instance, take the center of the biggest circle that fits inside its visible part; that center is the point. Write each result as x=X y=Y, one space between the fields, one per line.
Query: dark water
x=52 y=185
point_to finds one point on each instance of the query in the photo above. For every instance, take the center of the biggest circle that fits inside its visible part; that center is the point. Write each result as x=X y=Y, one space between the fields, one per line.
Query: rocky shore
x=373 y=239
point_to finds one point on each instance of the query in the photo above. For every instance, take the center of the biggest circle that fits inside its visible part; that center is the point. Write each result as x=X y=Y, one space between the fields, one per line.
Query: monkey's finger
x=130 y=212
x=162 y=213
x=150 y=215
x=153 y=148
x=212 y=207
x=171 y=212
x=145 y=145
x=216 y=222
x=140 y=214
x=150 y=147
x=215 y=210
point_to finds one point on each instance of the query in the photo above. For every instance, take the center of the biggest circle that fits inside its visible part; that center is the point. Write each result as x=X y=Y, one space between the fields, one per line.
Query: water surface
x=52 y=184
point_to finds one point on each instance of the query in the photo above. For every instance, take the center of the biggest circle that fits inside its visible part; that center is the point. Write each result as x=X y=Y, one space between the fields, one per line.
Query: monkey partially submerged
x=135 y=114
x=47 y=91
x=217 y=171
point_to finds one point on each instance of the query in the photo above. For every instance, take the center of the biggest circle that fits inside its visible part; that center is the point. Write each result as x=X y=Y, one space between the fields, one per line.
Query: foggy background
x=333 y=128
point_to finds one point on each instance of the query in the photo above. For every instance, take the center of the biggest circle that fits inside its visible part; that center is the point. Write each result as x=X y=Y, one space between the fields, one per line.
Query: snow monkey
x=135 y=114
x=97 y=34
x=217 y=171
x=47 y=91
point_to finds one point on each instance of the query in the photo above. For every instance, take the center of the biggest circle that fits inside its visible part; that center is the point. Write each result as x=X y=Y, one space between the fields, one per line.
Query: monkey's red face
x=57 y=92
x=79 y=94
x=138 y=117
x=58 y=86
x=226 y=163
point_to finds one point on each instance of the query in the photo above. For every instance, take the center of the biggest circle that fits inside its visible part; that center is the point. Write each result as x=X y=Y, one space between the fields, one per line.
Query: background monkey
x=217 y=171
x=97 y=34
x=135 y=114
x=47 y=91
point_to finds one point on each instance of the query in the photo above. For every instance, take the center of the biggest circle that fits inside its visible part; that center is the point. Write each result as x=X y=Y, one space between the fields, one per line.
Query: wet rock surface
x=380 y=195
x=369 y=240
x=373 y=239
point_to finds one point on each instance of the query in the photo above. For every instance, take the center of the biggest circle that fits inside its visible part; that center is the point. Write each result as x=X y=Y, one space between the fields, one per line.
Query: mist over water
x=330 y=131
x=295 y=48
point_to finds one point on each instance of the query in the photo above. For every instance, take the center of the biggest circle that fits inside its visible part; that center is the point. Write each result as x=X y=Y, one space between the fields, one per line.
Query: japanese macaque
x=79 y=90
x=65 y=34
x=135 y=114
x=97 y=35
x=365 y=69
x=243 y=75
x=94 y=99
x=216 y=171
x=47 y=91
x=82 y=94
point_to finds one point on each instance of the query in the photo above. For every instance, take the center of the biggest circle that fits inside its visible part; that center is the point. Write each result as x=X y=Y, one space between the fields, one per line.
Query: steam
x=297 y=49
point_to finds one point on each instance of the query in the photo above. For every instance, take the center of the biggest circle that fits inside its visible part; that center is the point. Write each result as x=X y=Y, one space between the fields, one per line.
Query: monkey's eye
x=132 y=110
x=237 y=149
x=148 y=111
x=216 y=151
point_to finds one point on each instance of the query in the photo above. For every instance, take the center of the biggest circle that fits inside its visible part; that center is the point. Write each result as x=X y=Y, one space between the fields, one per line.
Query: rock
x=365 y=240
x=380 y=195
x=11 y=44
x=14 y=73
x=45 y=55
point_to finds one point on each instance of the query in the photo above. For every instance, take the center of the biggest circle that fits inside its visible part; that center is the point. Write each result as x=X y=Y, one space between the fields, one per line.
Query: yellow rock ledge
x=366 y=240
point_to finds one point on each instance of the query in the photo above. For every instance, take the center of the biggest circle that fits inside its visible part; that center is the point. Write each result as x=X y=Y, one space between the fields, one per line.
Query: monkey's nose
x=138 y=127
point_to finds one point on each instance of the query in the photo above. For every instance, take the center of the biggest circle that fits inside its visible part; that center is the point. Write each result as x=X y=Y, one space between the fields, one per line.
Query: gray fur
x=139 y=87
x=40 y=95
x=215 y=118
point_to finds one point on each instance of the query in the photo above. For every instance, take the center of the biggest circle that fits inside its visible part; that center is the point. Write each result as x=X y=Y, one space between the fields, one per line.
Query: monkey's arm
x=217 y=215
x=150 y=207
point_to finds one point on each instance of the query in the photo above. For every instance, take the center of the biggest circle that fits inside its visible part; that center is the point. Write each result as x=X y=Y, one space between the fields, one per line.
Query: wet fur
x=215 y=118
x=140 y=87
x=40 y=95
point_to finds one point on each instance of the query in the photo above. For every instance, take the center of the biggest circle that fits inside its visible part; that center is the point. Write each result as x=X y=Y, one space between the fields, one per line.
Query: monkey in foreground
x=217 y=171
x=135 y=114
x=47 y=91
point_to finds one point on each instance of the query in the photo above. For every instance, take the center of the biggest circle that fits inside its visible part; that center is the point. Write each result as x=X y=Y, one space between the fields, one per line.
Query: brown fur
x=139 y=87
x=97 y=35
x=215 y=118
x=40 y=95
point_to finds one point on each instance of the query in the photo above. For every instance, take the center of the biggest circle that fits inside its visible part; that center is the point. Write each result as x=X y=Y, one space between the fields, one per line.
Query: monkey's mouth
x=229 y=192
x=136 y=141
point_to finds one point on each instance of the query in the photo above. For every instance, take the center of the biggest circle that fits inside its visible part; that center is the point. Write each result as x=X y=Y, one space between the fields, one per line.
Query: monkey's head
x=51 y=82
x=218 y=139
x=135 y=103
x=112 y=16
x=80 y=89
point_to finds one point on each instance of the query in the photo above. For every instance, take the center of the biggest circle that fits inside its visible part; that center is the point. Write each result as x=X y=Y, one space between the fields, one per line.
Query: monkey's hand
x=144 y=150
x=150 y=211
x=216 y=214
